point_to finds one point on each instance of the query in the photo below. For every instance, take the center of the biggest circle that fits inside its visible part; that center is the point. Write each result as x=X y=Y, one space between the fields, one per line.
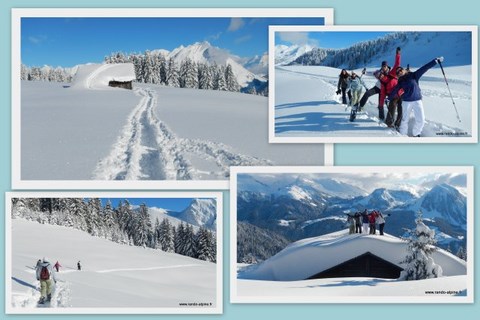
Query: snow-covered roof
x=307 y=257
x=97 y=76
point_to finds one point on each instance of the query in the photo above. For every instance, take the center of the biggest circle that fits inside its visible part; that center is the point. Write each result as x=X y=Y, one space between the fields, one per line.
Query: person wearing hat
x=388 y=81
x=46 y=276
x=376 y=88
x=412 y=96
x=355 y=84
x=342 y=86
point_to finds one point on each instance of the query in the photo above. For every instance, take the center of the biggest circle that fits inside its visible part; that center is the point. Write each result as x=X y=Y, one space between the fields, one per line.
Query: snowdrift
x=307 y=257
x=97 y=76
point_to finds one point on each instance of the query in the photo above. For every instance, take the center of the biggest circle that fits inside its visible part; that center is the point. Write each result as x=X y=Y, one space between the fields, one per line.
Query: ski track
x=60 y=297
x=148 y=149
x=150 y=268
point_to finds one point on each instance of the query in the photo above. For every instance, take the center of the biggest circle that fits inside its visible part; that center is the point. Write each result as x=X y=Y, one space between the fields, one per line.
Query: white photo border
x=271 y=98
x=218 y=309
x=235 y=298
x=18 y=13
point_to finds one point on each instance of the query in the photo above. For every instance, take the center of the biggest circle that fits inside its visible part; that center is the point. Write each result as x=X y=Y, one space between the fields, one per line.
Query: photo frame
x=108 y=156
x=303 y=214
x=103 y=254
x=306 y=103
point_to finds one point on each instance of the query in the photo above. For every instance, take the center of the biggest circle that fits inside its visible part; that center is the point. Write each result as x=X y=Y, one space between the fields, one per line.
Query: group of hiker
x=366 y=222
x=397 y=88
x=45 y=273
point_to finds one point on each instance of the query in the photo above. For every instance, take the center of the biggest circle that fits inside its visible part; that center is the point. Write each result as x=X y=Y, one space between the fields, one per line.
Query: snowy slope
x=306 y=106
x=112 y=276
x=321 y=253
x=149 y=133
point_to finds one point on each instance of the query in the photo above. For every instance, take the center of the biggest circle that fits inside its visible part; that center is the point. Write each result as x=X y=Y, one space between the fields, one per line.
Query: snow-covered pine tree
x=188 y=77
x=419 y=263
x=461 y=253
x=77 y=212
x=230 y=80
x=142 y=235
x=219 y=79
x=190 y=248
x=172 y=74
x=204 y=76
x=166 y=236
x=19 y=207
x=179 y=239
x=205 y=245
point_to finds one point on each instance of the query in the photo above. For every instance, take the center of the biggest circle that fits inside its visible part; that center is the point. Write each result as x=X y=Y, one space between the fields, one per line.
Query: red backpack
x=44 y=273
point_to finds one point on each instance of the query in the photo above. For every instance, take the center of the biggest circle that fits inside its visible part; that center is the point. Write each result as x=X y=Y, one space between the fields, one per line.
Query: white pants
x=365 y=228
x=419 y=116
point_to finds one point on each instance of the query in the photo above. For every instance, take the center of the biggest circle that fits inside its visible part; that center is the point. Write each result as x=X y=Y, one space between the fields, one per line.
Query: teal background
x=347 y=12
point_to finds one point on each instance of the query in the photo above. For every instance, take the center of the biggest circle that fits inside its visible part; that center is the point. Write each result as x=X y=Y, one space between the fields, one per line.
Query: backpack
x=44 y=273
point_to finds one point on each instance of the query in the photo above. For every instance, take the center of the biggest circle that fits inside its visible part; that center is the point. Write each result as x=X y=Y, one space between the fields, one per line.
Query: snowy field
x=306 y=106
x=151 y=133
x=112 y=275
x=353 y=290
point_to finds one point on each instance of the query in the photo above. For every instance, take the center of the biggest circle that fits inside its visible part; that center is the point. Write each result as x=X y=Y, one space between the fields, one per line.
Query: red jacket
x=388 y=81
x=371 y=217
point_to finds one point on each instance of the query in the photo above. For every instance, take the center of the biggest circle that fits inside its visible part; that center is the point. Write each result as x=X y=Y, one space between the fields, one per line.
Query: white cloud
x=236 y=24
x=298 y=38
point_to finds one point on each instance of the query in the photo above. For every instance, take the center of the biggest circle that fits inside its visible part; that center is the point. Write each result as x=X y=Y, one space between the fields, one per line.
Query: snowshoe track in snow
x=60 y=297
x=148 y=149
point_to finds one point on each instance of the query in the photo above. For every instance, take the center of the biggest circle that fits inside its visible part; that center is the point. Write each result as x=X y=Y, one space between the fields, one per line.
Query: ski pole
x=451 y=96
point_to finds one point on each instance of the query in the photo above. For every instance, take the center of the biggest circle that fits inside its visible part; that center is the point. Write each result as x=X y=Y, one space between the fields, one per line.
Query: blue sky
x=173 y=204
x=70 y=41
x=327 y=39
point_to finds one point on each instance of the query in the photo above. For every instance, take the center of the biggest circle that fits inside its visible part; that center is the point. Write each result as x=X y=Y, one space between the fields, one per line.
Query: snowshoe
x=41 y=301
x=381 y=114
x=353 y=114
x=49 y=297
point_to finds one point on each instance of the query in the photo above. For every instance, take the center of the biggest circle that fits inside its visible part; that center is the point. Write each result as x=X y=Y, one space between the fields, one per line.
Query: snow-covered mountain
x=297 y=187
x=286 y=54
x=445 y=202
x=200 y=213
x=417 y=49
x=258 y=64
x=385 y=199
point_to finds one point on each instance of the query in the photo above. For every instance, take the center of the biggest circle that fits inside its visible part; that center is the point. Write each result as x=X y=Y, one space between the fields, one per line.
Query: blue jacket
x=409 y=84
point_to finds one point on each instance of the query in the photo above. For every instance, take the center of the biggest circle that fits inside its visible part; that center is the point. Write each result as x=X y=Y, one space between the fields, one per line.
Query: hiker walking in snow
x=57 y=266
x=79 y=266
x=388 y=81
x=365 y=222
x=46 y=276
x=412 y=96
x=342 y=86
x=355 y=88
